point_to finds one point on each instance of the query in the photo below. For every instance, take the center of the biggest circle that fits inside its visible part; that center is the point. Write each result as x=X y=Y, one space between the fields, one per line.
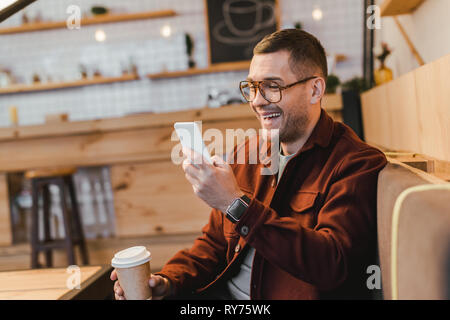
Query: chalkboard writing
x=235 y=26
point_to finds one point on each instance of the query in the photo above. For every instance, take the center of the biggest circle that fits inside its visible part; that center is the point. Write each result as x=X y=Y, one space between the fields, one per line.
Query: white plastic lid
x=131 y=257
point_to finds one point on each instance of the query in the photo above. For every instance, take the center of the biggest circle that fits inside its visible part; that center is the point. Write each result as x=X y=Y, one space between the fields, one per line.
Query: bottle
x=13 y=119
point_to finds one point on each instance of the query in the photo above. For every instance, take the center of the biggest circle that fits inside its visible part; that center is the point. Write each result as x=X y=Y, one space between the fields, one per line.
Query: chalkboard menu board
x=236 y=26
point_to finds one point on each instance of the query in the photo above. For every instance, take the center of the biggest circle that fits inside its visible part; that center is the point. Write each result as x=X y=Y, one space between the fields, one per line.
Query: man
x=306 y=232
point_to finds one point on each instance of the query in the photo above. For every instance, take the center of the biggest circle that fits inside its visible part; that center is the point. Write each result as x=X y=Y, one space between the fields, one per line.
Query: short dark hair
x=307 y=54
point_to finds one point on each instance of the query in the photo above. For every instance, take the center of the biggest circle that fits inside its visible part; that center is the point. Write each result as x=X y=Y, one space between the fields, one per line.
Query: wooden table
x=51 y=284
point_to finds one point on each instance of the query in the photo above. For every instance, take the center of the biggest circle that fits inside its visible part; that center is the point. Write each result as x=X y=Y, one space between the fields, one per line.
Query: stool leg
x=35 y=225
x=47 y=236
x=67 y=225
x=77 y=220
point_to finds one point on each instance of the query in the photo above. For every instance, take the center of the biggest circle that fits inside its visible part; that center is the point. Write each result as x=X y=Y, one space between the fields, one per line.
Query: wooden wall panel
x=433 y=99
x=155 y=198
x=5 y=221
x=376 y=120
x=402 y=113
x=411 y=113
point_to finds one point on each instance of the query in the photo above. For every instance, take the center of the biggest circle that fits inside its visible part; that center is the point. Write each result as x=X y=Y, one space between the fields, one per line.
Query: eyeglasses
x=269 y=89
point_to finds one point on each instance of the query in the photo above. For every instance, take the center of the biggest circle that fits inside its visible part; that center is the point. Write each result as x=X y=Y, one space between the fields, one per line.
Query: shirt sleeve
x=193 y=268
x=346 y=223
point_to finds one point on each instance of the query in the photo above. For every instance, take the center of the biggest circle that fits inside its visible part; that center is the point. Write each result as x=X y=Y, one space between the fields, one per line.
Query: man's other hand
x=161 y=287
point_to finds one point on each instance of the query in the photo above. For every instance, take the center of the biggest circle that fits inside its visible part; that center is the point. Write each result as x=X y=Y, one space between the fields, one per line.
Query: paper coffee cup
x=133 y=270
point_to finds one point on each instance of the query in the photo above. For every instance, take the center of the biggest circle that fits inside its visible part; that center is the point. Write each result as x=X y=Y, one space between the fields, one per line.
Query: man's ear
x=318 y=90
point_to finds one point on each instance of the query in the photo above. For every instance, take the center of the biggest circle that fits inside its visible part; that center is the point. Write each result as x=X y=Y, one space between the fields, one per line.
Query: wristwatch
x=237 y=208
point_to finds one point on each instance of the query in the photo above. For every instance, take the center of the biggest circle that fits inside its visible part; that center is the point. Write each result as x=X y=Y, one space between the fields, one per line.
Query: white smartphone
x=191 y=138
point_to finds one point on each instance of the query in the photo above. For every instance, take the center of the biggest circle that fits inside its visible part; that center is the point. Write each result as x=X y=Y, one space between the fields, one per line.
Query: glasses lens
x=248 y=90
x=271 y=91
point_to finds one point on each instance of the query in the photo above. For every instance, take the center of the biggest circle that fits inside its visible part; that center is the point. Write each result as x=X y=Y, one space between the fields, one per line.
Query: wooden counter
x=151 y=194
x=138 y=149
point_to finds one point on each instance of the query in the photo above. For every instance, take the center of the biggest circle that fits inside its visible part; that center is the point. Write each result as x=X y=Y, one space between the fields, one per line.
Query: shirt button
x=244 y=230
x=237 y=248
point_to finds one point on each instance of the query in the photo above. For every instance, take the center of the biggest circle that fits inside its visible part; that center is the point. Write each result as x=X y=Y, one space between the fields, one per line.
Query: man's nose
x=259 y=100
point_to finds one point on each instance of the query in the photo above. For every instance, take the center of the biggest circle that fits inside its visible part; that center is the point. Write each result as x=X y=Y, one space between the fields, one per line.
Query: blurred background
x=151 y=46
x=93 y=87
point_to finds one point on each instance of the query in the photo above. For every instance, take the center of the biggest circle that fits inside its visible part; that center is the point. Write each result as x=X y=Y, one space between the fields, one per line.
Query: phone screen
x=191 y=138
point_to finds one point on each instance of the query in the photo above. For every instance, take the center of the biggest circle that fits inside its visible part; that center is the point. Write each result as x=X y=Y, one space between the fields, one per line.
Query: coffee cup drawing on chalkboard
x=244 y=21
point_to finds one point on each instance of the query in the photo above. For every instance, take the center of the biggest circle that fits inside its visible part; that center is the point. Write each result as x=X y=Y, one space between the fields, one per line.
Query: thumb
x=218 y=161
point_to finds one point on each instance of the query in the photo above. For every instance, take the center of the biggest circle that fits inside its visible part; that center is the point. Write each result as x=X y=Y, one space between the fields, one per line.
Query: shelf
x=222 y=67
x=22 y=88
x=396 y=7
x=106 y=18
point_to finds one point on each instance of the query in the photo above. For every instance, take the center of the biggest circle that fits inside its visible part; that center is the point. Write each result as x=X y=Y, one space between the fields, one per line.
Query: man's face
x=292 y=114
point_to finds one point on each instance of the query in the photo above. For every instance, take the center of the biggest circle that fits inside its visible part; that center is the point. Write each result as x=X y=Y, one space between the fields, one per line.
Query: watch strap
x=246 y=199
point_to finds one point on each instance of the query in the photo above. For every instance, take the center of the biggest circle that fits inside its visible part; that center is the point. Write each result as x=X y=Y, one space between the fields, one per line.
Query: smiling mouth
x=271 y=115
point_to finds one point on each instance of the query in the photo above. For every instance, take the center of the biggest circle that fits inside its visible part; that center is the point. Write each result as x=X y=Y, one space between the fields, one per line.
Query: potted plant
x=333 y=82
x=356 y=84
x=99 y=10
x=189 y=50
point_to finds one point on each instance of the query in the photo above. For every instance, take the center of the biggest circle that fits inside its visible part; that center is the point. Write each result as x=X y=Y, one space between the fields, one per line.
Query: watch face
x=236 y=209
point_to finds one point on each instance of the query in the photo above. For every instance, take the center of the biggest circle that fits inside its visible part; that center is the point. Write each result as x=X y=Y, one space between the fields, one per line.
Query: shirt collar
x=321 y=134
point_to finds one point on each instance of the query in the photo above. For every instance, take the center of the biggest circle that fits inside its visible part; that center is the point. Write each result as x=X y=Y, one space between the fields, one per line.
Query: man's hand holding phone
x=213 y=183
x=212 y=178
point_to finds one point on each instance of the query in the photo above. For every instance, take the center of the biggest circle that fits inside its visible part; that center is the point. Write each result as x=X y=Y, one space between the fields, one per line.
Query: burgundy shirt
x=314 y=231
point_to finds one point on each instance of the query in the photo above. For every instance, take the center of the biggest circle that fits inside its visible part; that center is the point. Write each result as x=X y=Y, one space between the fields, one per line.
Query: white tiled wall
x=58 y=53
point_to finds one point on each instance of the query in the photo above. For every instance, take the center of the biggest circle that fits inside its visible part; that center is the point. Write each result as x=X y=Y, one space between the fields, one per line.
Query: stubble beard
x=295 y=126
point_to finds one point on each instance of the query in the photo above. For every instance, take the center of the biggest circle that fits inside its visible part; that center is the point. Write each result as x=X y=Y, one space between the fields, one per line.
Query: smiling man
x=308 y=231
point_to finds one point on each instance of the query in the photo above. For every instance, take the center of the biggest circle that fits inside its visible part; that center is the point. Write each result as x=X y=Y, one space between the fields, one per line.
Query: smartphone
x=191 y=138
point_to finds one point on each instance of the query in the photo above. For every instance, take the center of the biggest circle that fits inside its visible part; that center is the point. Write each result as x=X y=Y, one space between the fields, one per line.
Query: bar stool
x=40 y=181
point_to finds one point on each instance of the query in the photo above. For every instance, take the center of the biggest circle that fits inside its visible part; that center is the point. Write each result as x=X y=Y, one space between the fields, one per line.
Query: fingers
x=195 y=158
x=192 y=180
x=190 y=167
x=119 y=297
x=218 y=161
x=155 y=281
x=118 y=291
x=160 y=286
